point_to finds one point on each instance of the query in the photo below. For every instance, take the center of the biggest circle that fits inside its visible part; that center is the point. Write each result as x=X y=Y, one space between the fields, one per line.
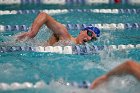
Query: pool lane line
x=102 y=26
x=76 y=49
x=61 y=11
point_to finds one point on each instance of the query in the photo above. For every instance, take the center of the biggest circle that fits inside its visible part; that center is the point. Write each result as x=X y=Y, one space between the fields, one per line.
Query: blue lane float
x=65 y=2
x=77 y=49
x=105 y=26
x=61 y=11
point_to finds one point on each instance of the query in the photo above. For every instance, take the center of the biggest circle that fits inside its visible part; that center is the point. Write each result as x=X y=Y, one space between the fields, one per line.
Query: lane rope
x=77 y=49
x=105 y=26
x=61 y=11
x=41 y=84
x=65 y=2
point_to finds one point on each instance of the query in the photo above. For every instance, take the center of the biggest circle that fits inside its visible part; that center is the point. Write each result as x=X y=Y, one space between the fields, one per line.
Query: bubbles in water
x=91 y=65
x=122 y=84
x=43 y=35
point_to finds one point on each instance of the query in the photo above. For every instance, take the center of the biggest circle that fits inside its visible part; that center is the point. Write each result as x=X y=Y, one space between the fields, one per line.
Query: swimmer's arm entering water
x=129 y=67
x=51 y=23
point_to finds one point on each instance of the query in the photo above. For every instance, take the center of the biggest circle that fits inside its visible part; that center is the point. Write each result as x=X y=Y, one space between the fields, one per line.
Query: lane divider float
x=61 y=11
x=105 y=26
x=77 y=49
x=40 y=85
x=69 y=2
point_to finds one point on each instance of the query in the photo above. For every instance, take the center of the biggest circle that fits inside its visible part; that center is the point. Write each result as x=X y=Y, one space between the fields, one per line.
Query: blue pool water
x=51 y=67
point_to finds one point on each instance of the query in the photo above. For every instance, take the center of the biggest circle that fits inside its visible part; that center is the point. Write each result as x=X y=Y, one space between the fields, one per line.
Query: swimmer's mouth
x=84 y=40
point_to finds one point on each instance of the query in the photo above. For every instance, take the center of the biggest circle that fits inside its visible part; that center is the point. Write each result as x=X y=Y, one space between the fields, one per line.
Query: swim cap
x=93 y=29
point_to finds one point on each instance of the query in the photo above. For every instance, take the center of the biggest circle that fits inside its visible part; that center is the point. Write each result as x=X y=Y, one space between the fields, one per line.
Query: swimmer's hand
x=98 y=81
x=23 y=37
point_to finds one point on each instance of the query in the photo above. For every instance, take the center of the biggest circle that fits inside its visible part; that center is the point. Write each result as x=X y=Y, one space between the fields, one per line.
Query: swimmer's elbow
x=43 y=13
x=41 y=19
x=44 y=16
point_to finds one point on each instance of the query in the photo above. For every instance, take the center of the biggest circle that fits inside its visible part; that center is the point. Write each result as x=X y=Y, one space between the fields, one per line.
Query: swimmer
x=129 y=67
x=60 y=32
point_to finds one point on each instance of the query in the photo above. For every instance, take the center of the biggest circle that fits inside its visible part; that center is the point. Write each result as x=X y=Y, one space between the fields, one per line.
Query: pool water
x=57 y=69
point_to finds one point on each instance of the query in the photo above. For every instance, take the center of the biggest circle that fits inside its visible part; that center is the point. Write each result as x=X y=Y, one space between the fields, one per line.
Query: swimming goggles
x=90 y=33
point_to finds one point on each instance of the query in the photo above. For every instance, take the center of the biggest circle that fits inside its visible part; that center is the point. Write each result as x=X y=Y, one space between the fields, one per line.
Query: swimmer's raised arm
x=89 y=33
x=129 y=67
x=44 y=18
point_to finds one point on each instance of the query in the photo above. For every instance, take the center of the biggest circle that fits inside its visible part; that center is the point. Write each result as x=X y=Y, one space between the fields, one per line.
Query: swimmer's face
x=85 y=36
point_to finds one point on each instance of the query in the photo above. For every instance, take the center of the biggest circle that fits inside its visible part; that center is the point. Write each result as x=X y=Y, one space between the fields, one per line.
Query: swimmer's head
x=88 y=33
x=92 y=30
